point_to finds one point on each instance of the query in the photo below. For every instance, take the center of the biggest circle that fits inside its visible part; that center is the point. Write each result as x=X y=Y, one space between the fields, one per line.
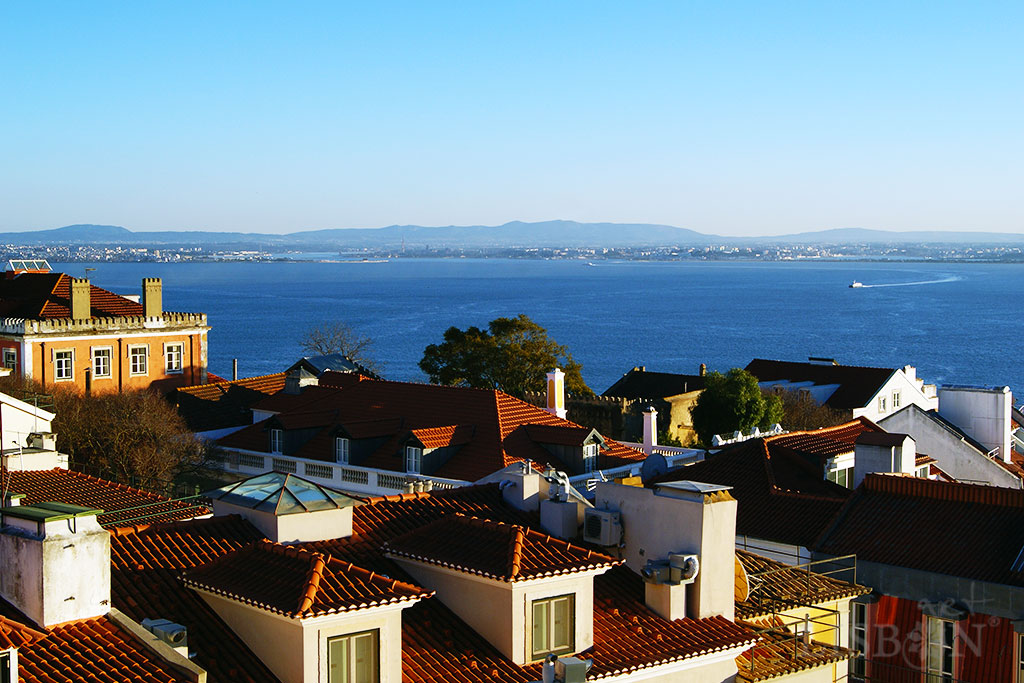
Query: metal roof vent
x=169 y=632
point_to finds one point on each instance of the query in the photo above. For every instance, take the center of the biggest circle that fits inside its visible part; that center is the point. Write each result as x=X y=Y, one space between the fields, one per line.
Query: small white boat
x=855 y=285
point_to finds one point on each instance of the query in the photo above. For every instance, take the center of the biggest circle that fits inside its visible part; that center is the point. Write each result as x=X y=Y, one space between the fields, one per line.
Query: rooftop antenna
x=89 y=270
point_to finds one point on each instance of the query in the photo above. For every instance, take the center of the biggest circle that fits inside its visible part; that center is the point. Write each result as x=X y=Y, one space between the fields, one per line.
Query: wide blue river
x=958 y=323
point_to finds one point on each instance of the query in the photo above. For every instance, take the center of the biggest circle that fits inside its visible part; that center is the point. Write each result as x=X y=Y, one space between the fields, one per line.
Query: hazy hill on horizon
x=557 y=233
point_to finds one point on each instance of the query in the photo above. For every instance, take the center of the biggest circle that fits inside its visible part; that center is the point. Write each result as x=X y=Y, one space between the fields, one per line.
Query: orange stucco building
x=61 y=330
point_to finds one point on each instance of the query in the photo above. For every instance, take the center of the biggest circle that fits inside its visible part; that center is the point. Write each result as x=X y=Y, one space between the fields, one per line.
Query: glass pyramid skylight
x=281 y=494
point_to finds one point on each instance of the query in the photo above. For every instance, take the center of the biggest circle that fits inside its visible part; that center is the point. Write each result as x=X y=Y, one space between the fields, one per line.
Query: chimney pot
x=556 y=393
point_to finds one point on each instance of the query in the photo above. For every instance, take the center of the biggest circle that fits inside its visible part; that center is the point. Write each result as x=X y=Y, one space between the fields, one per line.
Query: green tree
x=731 y=402
x=512 y=354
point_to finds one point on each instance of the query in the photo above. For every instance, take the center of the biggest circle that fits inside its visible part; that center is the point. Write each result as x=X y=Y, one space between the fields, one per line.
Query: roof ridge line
x=313 y=578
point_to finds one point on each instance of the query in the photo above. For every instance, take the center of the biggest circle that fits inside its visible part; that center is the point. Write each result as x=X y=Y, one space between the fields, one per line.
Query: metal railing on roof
x=805 y=574
x=201 y=505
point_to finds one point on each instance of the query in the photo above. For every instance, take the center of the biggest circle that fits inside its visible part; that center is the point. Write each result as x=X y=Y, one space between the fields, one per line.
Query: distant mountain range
x=509 y=235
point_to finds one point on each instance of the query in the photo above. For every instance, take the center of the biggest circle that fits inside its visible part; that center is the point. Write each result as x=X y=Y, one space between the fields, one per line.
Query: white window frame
x=842 y=476
x=11 y=658
x=858 y=637
x=68 y=372
x=94 y=353
x=881 y=404
x=132 y=371
x=349 y=669
x=935 y=672
x=1020 y=657
x=10 y=358
x=590 y=454
x=923 y=472
x=276 y=440
x=169 y=355
x=896 y=400
x=414 y=459
x=549 y=645
x=341 y=450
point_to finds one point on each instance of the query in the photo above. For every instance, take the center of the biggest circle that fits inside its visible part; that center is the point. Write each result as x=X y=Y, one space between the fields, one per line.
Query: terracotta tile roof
x=507 y=552
x=629 y=637
x=827 y=442
x=146 y=563
x=654 y=385
x=780 y=654
x=91 y=650
x=775 y=586
x=781 y=497
x=298 y=583
x=440 y=437
x=16 y=633
x=857 y=385
x=218 y=405
x=119 y=501
x=966 y=530
x=499 y=423
x=37 y=296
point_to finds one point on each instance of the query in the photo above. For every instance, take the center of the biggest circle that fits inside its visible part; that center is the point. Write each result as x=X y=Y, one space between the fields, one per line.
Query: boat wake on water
x=951 y=278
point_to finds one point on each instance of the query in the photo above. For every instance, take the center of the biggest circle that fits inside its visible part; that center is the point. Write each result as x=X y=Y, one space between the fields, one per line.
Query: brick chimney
x=81 y=305
x=152 y=297
x=556 y=393
x=54 y=562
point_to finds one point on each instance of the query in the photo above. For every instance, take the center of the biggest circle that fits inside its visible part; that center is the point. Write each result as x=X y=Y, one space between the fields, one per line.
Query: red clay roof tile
x=119 y=502
x=966 y=530
x=499 y=437
x=496 y=550
x=37 y=296
x=298 y=583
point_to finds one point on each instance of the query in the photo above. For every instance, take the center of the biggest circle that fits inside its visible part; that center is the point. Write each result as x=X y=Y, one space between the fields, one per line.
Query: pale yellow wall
x=501 y=612
x=680 y=424
x=296 y=650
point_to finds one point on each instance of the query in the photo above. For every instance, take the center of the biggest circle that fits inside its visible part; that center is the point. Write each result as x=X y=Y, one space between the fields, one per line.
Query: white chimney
x=556 y=393
x=54 y=562
x=983 y=413
x=691 y=519
x=883 y=452
x=650 y=430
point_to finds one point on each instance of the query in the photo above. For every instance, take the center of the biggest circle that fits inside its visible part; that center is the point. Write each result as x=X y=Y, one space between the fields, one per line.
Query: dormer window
x=413 y=459
x=354 y=658
x=341 y=450
x=590 y=451
x=276 y=440
x=553 y=626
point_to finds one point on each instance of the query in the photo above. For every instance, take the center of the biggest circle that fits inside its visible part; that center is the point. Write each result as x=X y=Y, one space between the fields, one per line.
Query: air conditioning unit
x=676 y=570
x=166 y=630
x=602 y=527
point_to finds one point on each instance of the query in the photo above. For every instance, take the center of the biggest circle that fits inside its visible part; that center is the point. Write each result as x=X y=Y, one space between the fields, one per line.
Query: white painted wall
x=982 y=413
x=897 y=458
x=657 y=523
x=954 y=456
x=300 y=527
x=56 y=571
x=909 y=389
x=21 y=419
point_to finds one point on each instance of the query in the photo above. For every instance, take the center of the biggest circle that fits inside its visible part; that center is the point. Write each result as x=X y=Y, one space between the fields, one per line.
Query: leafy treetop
x=512 y=354
x=731 y=402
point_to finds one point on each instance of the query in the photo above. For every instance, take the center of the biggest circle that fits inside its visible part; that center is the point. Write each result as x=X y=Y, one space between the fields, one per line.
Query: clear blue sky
x=737 y=118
